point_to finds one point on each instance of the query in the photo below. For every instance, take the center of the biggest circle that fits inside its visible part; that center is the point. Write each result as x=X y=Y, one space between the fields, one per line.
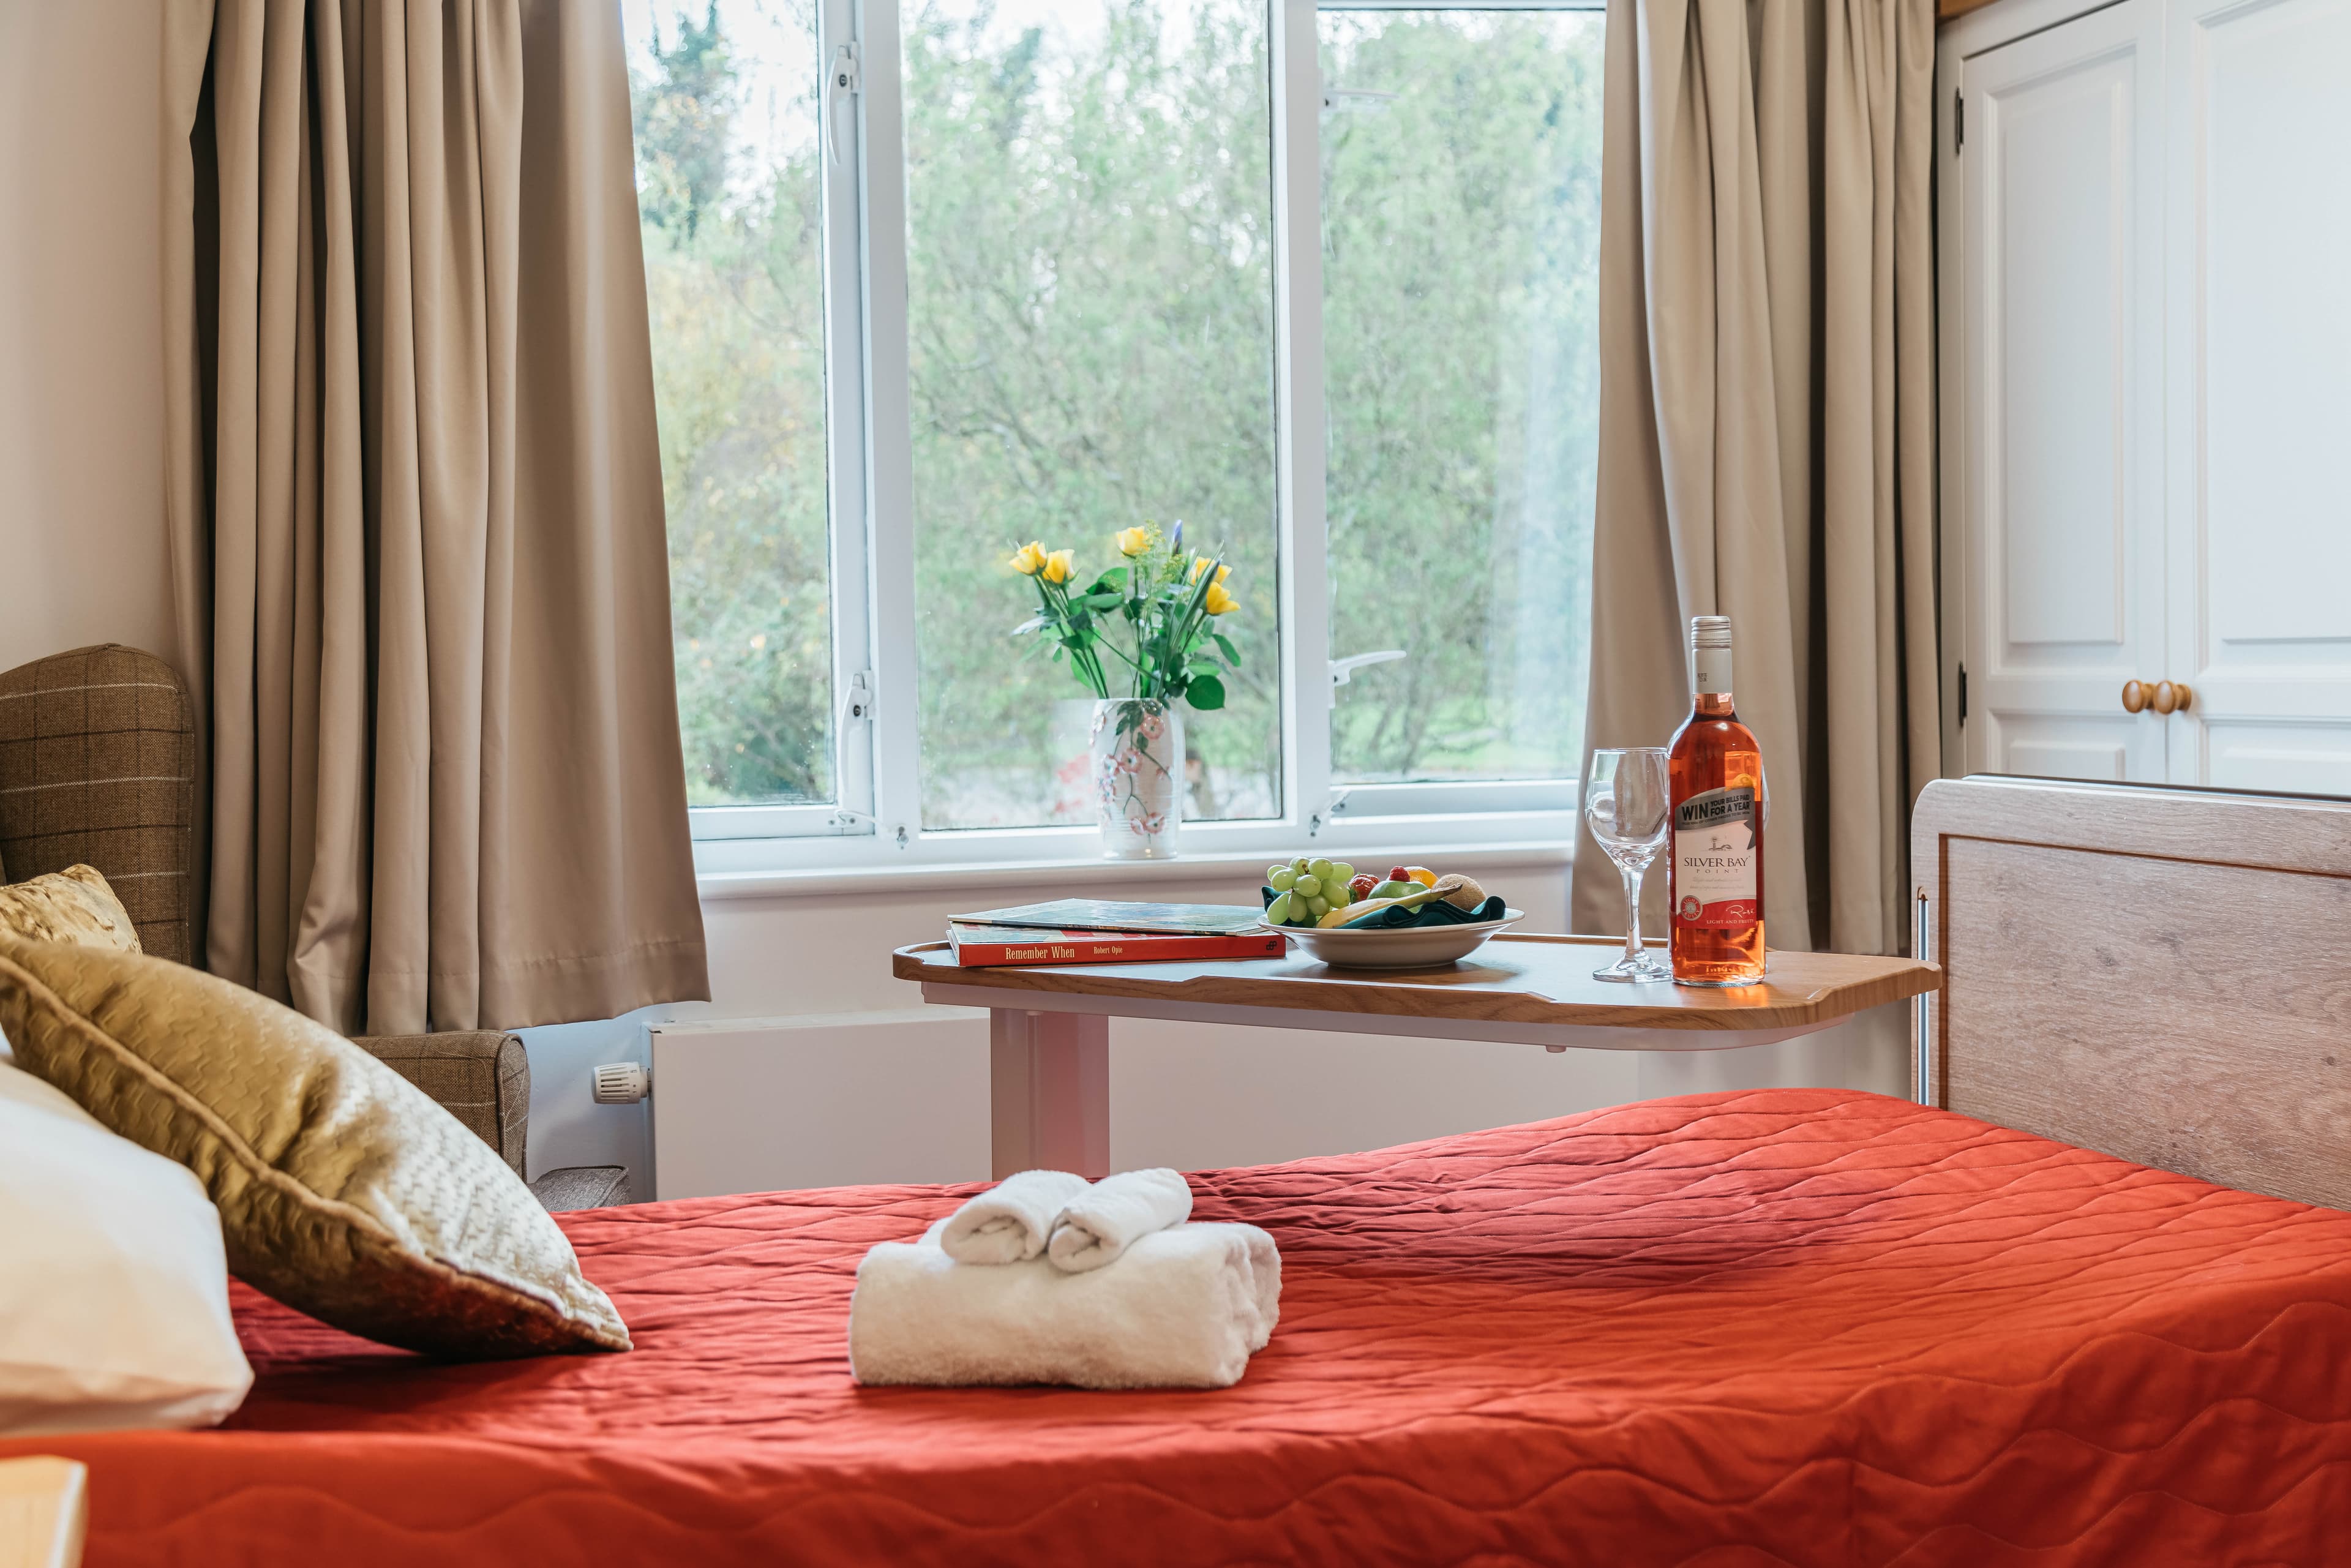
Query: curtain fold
x=426 y=606
x=1766 y=427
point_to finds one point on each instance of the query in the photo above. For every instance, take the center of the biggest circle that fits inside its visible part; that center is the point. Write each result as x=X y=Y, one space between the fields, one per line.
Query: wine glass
x=1625 y=800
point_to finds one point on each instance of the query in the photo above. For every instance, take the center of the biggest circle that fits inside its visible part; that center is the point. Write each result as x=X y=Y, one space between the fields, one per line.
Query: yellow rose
x=1200 y=563
x=1029 y=558
x=1060 y=566
x=1218 y=602
x=1132 y=542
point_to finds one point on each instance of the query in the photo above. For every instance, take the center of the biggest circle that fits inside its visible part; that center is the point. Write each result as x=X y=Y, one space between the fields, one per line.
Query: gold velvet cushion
x=70 y=906
x=343 y=1190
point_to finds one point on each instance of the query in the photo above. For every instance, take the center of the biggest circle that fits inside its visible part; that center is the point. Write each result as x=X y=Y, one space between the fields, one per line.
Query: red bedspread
x=1793 y=1326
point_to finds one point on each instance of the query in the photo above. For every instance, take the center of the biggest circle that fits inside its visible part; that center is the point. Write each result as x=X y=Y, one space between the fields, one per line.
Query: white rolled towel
x=1011 y=1220
x=1097 y=1225
x=1184 y=1309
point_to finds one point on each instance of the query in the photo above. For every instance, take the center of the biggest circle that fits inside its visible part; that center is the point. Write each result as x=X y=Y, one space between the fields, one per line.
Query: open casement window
x=931 y=279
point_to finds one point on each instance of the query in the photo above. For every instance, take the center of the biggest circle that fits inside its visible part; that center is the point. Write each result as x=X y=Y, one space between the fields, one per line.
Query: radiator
x=826 y=1100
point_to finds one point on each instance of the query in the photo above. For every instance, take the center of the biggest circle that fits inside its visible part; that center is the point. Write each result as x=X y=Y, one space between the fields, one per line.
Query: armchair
x=97 y=768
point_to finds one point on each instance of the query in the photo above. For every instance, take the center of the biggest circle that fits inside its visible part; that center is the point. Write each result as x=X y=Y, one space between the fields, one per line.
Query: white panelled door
x=2259 y=267
x=2061 y=161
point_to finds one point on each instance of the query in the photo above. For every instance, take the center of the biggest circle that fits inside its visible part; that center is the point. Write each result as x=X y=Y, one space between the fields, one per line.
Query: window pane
x=1090 y=332
x=1460 y=226
x=729 y=190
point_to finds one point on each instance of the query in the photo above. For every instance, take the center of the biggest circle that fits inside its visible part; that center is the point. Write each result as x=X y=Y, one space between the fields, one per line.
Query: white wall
x=81 y=378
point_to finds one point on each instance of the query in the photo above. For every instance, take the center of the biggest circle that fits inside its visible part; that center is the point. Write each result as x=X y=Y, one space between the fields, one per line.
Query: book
x=1105 y=914
x=1004 y=946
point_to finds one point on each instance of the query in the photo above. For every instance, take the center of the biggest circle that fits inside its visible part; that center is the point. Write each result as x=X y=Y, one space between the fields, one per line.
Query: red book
x=998 y=946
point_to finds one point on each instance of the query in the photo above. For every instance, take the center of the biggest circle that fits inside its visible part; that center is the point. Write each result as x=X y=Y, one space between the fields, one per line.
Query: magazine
x=1102 y=914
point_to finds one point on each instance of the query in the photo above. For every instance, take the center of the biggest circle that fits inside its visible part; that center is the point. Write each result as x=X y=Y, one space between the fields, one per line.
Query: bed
x=1802 y=1326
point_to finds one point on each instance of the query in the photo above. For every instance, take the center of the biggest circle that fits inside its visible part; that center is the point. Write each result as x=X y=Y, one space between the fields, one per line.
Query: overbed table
x=1049 y=1030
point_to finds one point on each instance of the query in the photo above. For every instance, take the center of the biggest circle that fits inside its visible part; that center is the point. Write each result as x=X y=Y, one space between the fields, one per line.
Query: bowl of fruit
x=1408 y=919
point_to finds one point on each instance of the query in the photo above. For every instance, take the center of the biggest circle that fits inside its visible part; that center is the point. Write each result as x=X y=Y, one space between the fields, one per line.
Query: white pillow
x=113 y=1286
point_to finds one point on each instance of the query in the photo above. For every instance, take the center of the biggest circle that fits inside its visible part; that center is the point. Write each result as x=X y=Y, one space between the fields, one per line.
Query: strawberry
x=1398 y=873
x=1361 y=888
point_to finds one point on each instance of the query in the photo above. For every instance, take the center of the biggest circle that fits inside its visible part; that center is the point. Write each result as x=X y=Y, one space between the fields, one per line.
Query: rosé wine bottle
x=1715 y=864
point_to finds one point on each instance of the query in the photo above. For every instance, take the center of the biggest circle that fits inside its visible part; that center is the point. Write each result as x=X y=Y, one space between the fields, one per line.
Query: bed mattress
x=1793 y=1326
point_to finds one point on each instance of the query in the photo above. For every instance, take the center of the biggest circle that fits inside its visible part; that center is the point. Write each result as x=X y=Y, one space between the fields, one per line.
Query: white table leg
x=44 y=1511
x=1048 y=1091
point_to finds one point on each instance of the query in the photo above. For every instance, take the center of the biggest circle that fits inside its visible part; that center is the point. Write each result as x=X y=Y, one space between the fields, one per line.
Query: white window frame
x=875 y=820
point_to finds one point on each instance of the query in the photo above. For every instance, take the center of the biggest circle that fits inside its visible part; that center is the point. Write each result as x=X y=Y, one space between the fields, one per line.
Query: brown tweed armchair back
x=97 y=766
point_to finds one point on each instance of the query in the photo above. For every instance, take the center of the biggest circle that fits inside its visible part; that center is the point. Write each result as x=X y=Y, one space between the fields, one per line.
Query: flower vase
x=1137 y=756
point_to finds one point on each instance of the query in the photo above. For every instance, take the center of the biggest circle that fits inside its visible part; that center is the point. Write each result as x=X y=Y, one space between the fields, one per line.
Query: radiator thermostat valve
x=622 y=1084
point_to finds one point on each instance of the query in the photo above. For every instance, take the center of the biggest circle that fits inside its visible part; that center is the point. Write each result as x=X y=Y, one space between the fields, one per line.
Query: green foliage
x=735 y=291
x=1092 y=329
x=683 y=116
x=1460 y=227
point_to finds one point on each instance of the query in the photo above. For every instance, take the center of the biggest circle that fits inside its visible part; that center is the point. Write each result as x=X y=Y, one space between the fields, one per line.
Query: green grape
x=1323 y=869
x=1343 y=873
x=1317 y=907
x=1280 y=878
x=1308 y=885
x=1278 y=912
x=1299 y=865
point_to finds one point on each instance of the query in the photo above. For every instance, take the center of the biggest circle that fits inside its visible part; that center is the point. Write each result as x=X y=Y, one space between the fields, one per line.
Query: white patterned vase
x=1137 y=756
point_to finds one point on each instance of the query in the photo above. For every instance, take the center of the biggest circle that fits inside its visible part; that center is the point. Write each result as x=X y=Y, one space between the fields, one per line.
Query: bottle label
x=1715 y=836
x=1710 y=670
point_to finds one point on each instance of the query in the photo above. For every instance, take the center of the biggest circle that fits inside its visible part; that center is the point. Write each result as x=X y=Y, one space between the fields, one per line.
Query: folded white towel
x=1011 y=1220
x=1098 y=1224
x=1184 y=1309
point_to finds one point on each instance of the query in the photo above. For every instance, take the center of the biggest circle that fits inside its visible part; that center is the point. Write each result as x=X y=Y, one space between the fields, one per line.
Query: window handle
x=843 y=78
x=1343 y=670
x=1335 y=98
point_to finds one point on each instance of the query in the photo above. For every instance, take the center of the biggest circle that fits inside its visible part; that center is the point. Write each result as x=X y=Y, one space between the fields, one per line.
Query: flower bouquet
x=1141 y=637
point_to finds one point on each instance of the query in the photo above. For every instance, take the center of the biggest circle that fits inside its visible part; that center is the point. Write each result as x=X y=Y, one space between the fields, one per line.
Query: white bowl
x=1413 y=948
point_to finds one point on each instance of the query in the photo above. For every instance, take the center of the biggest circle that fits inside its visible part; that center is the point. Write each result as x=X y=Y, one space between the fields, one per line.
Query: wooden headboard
x=2163 y=974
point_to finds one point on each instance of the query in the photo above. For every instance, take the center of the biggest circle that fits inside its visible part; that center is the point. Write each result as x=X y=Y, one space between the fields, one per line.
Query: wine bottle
x=1716 y=870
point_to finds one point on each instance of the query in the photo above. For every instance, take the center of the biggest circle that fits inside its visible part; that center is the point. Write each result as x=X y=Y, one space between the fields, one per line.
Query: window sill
x=1213 y=865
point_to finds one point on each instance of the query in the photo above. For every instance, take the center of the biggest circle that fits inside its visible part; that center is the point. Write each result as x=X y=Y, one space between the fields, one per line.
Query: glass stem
x=1632 y=912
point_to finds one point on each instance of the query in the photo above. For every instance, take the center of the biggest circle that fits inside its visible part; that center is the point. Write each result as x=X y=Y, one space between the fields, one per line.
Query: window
x=731 y=210
x=1090 y=338
x=931 y=279
x=1461 y=249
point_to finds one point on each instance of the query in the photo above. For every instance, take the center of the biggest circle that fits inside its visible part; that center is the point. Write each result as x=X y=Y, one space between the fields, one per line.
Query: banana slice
x=1444 y=887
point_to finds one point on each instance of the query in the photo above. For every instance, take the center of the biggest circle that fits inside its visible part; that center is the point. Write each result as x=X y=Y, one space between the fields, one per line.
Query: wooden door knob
x=2134 y=696
x=2171 y=696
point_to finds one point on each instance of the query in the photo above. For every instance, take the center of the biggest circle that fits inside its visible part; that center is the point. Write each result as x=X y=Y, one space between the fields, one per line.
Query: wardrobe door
x=2059 y=171
x=2258 y=263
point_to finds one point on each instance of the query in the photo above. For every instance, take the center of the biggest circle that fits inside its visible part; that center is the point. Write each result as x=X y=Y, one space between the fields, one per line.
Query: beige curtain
x=1766 y=427
x=417 y=513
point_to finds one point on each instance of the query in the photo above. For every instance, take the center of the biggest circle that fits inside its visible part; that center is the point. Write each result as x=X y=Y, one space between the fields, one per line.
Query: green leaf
x=1034 y=623
x=1226 y=643
x=1103 y=601
x=1206 y=693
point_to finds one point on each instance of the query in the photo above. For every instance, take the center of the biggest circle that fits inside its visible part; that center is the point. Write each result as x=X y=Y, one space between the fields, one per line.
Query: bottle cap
x=1710 y=631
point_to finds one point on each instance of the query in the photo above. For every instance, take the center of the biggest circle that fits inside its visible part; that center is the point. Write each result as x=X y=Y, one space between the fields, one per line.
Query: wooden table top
x=1516 y=977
